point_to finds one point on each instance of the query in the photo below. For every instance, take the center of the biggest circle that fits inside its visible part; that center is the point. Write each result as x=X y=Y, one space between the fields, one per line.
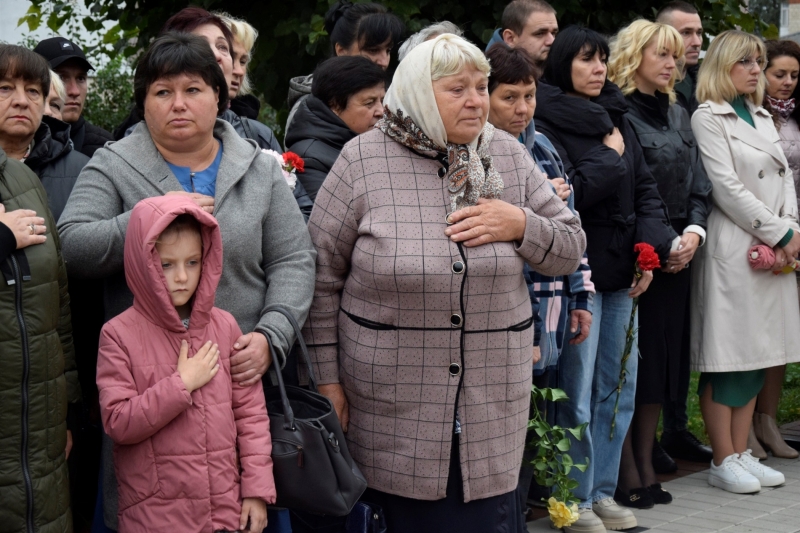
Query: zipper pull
x=300 y=456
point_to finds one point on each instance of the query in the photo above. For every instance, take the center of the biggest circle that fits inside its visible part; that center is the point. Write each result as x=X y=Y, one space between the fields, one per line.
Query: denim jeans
x=589 y=374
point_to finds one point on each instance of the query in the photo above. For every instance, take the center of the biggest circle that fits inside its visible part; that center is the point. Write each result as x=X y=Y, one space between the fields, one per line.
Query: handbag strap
x=312 y=381
x=288 y=414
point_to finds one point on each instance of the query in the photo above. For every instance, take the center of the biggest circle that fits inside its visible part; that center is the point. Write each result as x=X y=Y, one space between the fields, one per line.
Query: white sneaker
x=768 y=477
x=732 y=476
x=588 y=522
x=614 y=516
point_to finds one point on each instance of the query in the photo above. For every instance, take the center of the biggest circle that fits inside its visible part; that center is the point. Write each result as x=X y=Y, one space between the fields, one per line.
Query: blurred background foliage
x=293 y=40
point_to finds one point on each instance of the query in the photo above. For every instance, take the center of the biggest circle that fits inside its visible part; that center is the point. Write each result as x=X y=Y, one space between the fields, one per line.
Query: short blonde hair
x=246 y=35
x=452 y=53
x=58 y=85
x=714 y=77
x=627 y=52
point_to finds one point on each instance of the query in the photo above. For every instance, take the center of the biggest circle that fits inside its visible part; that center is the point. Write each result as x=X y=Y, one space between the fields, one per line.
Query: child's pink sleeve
x=128 y=417
x=253 y=437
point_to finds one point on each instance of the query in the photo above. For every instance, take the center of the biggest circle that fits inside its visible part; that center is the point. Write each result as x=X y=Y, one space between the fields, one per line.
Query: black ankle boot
x=683 y=444
x=662 y=462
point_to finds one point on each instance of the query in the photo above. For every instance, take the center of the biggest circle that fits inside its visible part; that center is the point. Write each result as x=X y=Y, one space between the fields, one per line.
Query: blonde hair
x=246 y=35
x=627 y=52
x=452 y=53
x=714 y=78
x=58 y=85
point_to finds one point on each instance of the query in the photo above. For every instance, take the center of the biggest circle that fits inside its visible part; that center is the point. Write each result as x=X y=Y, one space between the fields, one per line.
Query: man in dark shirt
x=68 y=61
x=684 y=17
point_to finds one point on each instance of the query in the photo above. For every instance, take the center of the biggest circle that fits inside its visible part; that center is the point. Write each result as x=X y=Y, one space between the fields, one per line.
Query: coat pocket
x=56 y=393
x=137 y=476
x=368 y=355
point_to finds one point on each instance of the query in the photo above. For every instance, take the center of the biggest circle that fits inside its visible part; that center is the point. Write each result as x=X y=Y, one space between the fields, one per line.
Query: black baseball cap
x=57 y=50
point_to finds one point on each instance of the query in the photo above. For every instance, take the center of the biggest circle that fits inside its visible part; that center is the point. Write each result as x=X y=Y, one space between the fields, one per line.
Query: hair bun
x=335 y=13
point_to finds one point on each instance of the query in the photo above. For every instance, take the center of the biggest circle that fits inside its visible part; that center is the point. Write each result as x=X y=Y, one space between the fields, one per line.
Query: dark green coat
x=38 y=376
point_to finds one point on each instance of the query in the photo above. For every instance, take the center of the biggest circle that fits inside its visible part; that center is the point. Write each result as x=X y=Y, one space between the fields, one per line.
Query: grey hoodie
x=299 y=89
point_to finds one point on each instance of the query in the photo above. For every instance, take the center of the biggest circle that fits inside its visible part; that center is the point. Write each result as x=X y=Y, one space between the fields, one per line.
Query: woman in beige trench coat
x=743 y=320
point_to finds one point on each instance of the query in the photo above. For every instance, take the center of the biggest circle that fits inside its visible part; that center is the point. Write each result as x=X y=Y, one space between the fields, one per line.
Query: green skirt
x=733 y=389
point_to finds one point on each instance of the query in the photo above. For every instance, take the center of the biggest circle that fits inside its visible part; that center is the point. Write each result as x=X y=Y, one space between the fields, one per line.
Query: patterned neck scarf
x=470 y=173
x=783 y=107
x=412 y=119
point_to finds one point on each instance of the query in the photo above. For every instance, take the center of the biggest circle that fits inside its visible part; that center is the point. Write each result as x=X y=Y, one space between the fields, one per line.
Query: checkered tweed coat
x=418 y=328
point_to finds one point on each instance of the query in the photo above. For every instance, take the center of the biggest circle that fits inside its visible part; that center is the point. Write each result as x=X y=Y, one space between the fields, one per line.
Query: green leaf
x=563 y=445
x=558 y=395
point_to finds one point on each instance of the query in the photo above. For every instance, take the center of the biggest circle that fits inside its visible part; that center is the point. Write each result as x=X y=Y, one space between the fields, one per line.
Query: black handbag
x=313 y=469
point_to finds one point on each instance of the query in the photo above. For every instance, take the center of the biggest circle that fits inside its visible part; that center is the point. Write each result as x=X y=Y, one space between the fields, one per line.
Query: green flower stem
x=630 y=337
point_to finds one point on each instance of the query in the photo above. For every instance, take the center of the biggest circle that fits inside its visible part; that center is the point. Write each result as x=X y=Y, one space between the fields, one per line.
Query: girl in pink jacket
x=191 y=450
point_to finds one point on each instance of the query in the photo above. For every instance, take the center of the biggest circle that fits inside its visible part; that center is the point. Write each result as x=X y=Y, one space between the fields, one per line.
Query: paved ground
x=700 y=508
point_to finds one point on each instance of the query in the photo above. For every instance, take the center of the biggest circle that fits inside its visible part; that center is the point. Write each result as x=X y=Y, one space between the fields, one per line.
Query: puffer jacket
x=318 y=136
x=178 y=455
x=616 y=197
x=55 y=161
x=38 y=380
x=670 y=149
x=87 y=137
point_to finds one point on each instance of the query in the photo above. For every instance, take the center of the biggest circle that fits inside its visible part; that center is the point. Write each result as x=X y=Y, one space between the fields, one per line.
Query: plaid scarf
x=783 y=107
x=470 y=173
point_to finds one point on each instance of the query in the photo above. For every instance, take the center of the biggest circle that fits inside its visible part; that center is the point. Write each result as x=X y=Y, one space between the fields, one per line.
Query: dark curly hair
x=776 y=49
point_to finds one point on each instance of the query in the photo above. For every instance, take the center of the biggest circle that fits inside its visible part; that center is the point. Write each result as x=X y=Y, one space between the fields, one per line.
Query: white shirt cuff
x=694 y=228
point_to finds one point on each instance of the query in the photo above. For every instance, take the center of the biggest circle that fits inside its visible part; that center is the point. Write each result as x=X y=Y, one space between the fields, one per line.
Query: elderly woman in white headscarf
x=420 y=329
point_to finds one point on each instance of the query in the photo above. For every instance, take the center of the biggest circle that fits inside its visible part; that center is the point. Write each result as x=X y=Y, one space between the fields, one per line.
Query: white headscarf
x=411 y=92
x=412 y=118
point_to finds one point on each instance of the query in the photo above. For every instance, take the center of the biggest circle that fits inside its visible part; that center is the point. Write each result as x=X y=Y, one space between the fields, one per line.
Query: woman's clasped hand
x=28 y=228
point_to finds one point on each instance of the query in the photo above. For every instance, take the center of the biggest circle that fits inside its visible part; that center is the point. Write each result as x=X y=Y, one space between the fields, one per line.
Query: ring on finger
x=33 y=228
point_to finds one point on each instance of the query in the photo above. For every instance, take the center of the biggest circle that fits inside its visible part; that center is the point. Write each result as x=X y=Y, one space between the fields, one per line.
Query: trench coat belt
x=620 y=225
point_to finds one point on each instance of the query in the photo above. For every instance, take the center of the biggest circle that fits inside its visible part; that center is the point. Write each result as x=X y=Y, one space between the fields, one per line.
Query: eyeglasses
x=750 y=64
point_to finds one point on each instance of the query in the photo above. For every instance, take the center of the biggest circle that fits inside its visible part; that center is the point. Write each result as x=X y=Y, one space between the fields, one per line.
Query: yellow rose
x=561 y=514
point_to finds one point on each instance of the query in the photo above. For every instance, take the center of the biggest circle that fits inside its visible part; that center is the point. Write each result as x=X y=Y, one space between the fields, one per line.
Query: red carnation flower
x=295 y=161
x=648 y=259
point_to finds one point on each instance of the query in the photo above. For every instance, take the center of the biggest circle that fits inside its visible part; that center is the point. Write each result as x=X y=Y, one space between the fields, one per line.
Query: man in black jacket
x=68 y=60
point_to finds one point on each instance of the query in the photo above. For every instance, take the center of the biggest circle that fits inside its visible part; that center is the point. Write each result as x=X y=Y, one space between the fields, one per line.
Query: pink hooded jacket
x=175 y=453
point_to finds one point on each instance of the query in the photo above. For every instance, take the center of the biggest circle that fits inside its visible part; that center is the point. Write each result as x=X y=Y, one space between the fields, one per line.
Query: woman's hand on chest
x=488 y=221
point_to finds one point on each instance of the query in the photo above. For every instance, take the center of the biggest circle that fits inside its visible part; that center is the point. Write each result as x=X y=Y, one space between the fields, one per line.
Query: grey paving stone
x=541 y=526
x=698 y=521
x=649 y=523
x=687 y=526
x=692 y=501
x=724 y=518
x=720 y=497
x=766 y=506
x=745 y=528
x=778 y=526
x=659 y=514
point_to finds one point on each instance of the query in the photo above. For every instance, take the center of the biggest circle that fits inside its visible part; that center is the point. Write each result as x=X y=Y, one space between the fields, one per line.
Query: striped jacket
x=552 y=298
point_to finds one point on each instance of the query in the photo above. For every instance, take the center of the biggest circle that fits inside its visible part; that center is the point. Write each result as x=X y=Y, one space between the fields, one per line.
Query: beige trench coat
x=415 y=326
x=743 y=319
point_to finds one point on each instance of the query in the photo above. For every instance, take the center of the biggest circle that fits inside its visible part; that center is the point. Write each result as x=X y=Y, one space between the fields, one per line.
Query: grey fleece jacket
x=268 y=255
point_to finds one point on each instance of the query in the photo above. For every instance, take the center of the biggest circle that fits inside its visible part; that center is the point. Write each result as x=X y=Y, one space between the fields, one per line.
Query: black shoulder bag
x=313 y=469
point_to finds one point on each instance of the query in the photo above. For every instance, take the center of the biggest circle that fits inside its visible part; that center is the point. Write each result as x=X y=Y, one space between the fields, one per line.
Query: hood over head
x=143 y=270
x=298 y=87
